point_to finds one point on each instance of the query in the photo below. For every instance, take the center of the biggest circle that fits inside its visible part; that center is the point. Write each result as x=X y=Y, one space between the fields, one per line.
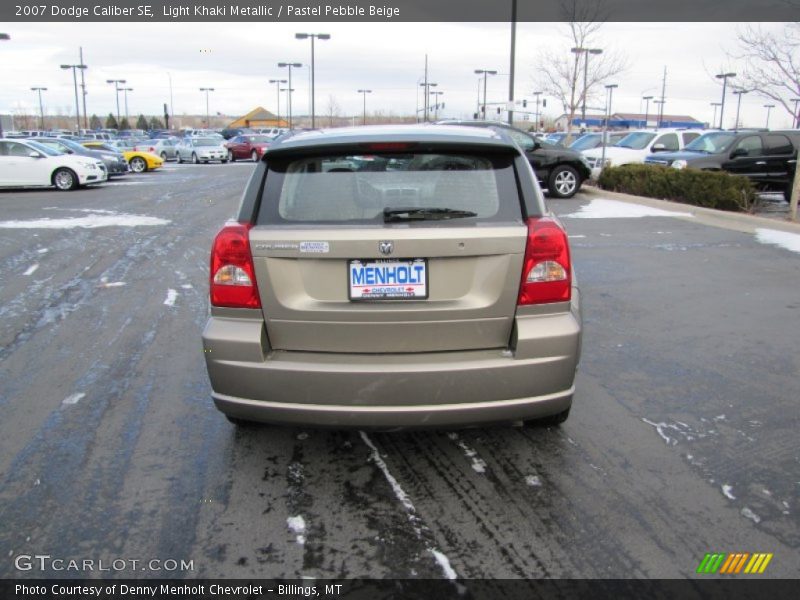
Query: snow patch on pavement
x=727 y=489
x=789 y=241
x=112 y=284
x=660 y=427
x=172 y=295
x=444 y=563
x=32 y=269
x=43 y=250
x=478 y=464
x=614 y=209
x=533 y=480
x=73 y=398
x=91 y=221
x=297 y=525
x=405 y=500
x=749 y=514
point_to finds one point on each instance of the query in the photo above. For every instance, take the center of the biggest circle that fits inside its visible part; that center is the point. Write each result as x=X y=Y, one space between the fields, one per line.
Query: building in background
x=258 y=117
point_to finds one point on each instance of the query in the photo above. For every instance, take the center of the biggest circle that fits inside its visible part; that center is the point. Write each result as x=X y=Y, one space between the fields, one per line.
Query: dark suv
x=767 y=158
x=560 y=170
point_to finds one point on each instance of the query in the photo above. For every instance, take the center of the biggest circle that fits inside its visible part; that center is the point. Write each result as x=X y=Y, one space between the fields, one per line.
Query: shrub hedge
x=712 y=189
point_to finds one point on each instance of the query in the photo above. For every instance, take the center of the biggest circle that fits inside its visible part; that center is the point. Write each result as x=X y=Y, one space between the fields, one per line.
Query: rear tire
x=195 y=160
x=254 y=156
x=178 y=158
x=163 y=156
x=65 y=180
x=563 y=182
x=551 y=421
x=231 y=157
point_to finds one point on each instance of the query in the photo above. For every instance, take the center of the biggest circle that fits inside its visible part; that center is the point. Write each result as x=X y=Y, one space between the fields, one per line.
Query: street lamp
x=609 y=96
x=586 y=52
x=739 y=93
x=208 y=118
x=724 y=77
x=41 y=109
x=796 y=120
x=485 y=73
x=364 y=93
x=427 y=87
x=278 y=83
x=75 y=82
x=646 y=108
x=769 y=107
x=319 y=36
x=117 y=89
x=290 y=66
x=126 y=90
x=536 y=114
x=436 y=105
x=715 y=105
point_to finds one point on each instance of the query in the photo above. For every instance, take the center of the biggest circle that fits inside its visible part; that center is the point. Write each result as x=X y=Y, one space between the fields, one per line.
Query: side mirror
x=739 y=152
x=658 y=148
x=34 y=155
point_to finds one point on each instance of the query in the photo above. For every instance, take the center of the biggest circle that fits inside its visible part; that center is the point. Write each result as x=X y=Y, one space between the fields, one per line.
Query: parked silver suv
x=388 y=277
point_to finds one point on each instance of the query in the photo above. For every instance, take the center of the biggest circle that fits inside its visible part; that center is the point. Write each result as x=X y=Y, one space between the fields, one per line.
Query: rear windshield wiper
x=422 y=214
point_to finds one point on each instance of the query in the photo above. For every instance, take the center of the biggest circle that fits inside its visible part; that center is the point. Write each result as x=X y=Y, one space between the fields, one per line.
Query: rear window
x=357 y=188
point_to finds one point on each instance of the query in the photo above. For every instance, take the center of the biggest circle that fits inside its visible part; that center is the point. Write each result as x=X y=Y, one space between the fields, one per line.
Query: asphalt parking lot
x=682 y=439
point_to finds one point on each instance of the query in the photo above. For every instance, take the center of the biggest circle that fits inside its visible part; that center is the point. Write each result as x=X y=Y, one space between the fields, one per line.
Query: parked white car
x=26 y=163
x=201 y=149
x=638 y=145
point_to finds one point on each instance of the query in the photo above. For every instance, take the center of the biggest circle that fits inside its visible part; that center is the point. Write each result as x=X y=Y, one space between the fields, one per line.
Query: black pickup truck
x=767 y=158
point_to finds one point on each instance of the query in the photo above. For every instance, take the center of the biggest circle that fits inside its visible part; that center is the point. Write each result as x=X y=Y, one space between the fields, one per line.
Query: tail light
x=547 y=270
x=233 y=276
x=152 y=149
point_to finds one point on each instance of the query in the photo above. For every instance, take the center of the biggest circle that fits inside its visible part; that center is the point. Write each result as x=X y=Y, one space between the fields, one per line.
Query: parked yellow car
x=139 y=161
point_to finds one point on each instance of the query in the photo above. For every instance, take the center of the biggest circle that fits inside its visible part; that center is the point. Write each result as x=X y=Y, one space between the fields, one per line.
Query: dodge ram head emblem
x=386 y=248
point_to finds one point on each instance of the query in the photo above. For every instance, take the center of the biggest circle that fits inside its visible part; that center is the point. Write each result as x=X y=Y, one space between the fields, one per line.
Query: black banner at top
x=298 y=11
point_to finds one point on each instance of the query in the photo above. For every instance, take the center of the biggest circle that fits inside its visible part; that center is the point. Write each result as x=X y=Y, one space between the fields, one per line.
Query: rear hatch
x=389 y=252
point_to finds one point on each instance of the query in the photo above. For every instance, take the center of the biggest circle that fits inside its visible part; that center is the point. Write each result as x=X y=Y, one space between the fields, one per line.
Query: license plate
x=388 y=279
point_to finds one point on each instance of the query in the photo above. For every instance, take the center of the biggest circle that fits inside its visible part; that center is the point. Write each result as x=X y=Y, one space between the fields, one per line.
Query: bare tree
x=771 y=62
x=333 y=109
x=559 y=72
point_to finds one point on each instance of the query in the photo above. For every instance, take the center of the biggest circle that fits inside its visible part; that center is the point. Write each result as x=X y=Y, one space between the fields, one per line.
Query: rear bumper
x=535 y=379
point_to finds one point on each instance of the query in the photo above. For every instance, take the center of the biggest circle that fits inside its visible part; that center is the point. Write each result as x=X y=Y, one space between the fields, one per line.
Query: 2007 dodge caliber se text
x=403 y=276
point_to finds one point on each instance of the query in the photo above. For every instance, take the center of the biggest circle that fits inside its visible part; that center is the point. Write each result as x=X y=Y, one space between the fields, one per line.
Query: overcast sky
x=238 y=59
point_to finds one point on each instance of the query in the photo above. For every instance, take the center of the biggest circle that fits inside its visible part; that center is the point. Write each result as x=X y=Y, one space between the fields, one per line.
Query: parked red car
x=247 y=146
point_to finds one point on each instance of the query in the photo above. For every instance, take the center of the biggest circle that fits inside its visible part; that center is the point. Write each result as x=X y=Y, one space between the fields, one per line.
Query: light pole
x=171 y=108
x=290 y=66
x=4 y=37
x=436 y=105
x=208 y=118
x=41 y=109
x=609 y=96
x=427 y=87
x=796 y=115
x=126 y=90
x=319 y=36
x=724 y=77
x=536 y=114
x=646 y=108
x=289 y=92
x=715 y=105
x=586 y=52
x=278 y=83
x=117 y=89
x=364 y=93
x=769 y=107
x=75 y=82
x=485 y=73
x=739 y=93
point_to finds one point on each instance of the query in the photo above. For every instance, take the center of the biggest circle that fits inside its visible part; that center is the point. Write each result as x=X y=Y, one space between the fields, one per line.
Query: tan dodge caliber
x=393 y=276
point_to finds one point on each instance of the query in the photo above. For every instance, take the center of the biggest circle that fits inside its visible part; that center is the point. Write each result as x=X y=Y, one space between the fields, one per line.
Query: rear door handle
x=761 y=162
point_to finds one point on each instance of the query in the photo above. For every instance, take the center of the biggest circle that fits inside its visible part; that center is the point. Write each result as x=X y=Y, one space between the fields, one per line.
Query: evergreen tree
x=95 y=122
x=111 y=122
x=141 y=123
x=123 y=125
x=156 y=123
